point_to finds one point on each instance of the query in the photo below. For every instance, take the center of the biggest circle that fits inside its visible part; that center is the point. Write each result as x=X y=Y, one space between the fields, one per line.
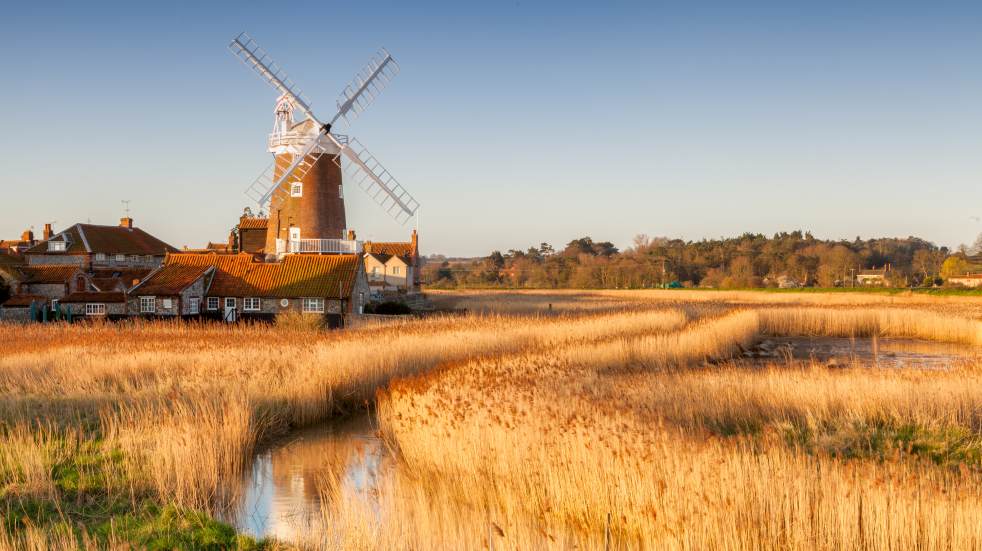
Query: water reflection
x=891 y=353
x=281 y=495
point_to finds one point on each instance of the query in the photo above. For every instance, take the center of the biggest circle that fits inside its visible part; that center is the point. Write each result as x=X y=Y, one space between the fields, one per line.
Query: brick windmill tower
x=303 y=188
x=311 y=205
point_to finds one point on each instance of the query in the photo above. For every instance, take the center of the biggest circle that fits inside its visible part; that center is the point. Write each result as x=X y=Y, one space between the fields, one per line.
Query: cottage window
x=296 y=189
x=148 y=305
x=148 y=258
x=395 y=270
x=230 y=302
x=134 y=258
x=194 y=307
x=213 y=303
x=56 y=246
x=168 y=303
x=250 y=304
x=120 y=258
x=313 y=306
x=95 y=309
x=100 y=257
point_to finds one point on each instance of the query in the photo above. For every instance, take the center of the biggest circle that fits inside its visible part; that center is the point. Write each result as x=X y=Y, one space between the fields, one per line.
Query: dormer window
x=56 y=246
x=296 y=189
x=100 y=257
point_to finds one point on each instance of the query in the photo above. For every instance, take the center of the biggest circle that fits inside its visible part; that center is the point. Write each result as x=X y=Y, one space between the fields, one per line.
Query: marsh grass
x=518 y=425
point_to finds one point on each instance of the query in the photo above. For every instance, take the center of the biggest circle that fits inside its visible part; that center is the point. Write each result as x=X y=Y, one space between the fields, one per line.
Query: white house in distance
x=393 y=267
x=967 y=280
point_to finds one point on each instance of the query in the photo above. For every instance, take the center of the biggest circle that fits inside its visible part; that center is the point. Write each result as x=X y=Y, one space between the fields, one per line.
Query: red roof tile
x=23 y=301
x=392 y=249
x=329 y=276
x=253 y=223
x=46 y=274
x=90 y=238
x=94 y=297
x=171 y=279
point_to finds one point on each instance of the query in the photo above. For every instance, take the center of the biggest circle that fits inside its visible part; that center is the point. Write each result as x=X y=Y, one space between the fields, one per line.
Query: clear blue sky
x=511 y=122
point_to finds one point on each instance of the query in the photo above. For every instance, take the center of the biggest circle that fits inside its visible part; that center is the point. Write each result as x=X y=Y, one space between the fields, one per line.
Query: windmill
x=303 y=186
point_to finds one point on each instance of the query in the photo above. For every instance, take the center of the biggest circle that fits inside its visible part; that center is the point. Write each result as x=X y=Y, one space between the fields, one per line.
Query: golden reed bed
x=611 y=417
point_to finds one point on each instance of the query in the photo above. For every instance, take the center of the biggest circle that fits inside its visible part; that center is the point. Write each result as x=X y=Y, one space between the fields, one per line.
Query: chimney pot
x=126 y=222
x=351 y=235
x=28 y=236
x=47 y=232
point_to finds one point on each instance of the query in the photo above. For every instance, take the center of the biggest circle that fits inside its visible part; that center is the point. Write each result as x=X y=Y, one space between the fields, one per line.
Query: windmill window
x=341 y=192
x=296 y=189
x=148 y=305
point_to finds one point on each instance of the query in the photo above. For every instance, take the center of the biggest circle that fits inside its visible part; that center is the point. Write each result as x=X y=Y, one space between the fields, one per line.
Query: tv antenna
x=126 y=206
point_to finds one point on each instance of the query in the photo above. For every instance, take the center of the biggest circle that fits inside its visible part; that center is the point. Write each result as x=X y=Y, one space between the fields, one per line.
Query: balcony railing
x=318 y=246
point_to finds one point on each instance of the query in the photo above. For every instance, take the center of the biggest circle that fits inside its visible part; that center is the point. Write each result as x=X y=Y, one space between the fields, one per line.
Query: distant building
x=90 y=246
x=393 y=267
x=877 y=277
x=967 y=280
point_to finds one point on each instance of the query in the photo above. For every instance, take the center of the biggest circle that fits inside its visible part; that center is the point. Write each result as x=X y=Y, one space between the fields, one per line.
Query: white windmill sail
x=361 y=166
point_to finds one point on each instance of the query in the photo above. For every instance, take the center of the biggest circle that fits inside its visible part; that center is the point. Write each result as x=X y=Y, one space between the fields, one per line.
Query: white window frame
x=120 y=258
x=148 y=305
x=100 y=257
x=395 y=270
x=95 y=309
x=194 y=306
x=296 y=189
x=230 y=302
x=313 y=305
x=214 y=303
x=167 y=303
x=341 y=192
x=57 y=246
x=252 y=304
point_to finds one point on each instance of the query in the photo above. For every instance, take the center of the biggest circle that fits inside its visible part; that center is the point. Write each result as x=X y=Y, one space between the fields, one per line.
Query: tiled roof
x=10 y=260
x=94 y=297
x=46 y=274
x=171 y=279
x=393 y=248
x=219 y=247
x=106 y=279
x=329 y=276
x=253 y=223
x=382 y=258
x=23 y=301
x=90 y=238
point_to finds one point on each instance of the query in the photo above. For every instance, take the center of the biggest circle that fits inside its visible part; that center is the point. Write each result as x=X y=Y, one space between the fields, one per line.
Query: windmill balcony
x=294 y=138
x=318 y=246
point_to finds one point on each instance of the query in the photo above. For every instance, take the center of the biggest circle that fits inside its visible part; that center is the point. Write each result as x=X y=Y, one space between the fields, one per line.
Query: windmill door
x=230 y=310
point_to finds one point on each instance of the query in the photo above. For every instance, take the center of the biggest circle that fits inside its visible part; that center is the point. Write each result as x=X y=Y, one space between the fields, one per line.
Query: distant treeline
x=751 y=260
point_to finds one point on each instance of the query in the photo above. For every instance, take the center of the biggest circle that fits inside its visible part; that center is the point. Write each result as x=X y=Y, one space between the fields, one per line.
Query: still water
x=281 y=495
x=881 y=352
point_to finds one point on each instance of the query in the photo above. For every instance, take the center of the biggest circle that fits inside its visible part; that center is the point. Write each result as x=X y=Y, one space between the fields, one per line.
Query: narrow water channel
x=281 y=494
x=879 y=352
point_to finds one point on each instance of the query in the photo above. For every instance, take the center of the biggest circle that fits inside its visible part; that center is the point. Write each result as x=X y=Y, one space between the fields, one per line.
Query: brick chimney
x=47 y=232
x=126 y=222
x=28 y=236
x=351 y=235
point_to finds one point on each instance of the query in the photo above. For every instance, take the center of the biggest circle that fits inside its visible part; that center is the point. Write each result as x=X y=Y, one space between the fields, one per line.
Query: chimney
x=126 y=222
x=47 y=232
x=28 y=236
x=351 y=235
